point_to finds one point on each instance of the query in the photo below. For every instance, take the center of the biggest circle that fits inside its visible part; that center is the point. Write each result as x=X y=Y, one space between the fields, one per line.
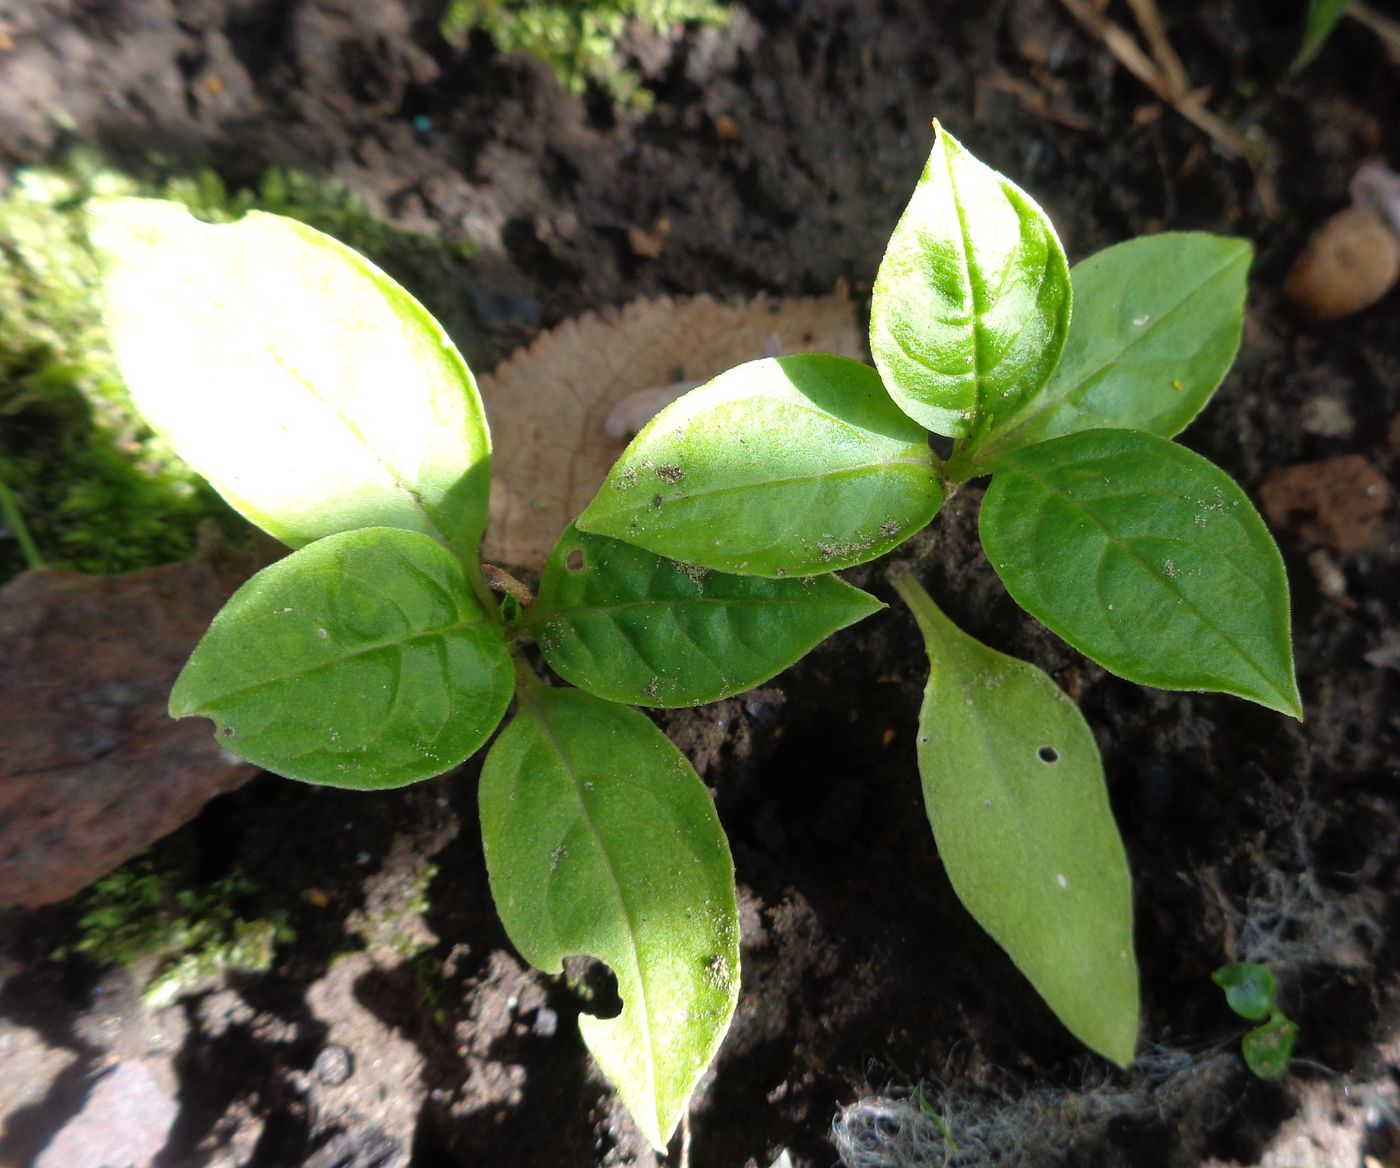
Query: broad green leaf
x=1249 y=988
x=1268 y=1048
x=1322 y=19
x=971 y=302
x=362 y=660
x=1015 y=792
x=312 y=391
x=1147 y=558
x=601 y=840
x=632 y=626
x=1157 y=324
x=789 y=466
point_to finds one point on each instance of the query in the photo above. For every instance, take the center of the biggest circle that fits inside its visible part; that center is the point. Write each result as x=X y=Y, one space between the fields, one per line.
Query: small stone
x=1327 y=417
x=334 y=1065
x=125 y=1121
x=546 y=1023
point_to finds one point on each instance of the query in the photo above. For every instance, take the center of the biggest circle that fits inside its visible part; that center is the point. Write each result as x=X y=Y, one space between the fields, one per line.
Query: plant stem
x=10 y=512
x=528 y=683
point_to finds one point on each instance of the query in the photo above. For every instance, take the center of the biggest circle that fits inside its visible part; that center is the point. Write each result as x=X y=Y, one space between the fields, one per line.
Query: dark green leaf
x=362 y=660
x=311 y=390
x=972 y=299
x=789 y=466
x=1147 y=558
x=601 y=840
x=631 y=626
x=1015 y=792
x=1157 y=323
x=1249 y=989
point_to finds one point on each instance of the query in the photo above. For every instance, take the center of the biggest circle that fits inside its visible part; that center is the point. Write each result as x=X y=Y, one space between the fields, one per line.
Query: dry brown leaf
x=547 y=404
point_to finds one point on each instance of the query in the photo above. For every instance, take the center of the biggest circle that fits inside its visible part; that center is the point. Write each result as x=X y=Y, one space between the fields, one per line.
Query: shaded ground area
x=400 y=1024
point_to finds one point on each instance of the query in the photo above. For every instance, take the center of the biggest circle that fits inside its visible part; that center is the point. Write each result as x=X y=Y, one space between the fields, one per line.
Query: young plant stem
x=14 y=520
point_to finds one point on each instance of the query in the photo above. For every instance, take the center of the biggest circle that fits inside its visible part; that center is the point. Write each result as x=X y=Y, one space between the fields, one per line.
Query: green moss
x=83 y=483
x=578 y=39
x=138 y=915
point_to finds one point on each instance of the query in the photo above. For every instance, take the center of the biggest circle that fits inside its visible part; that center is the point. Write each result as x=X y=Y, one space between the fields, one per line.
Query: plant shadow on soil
x=861 y=970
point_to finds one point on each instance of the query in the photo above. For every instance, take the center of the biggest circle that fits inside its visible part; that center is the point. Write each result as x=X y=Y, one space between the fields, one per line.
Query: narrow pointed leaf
x=362 y=660
x=601 y=840
x=312 y=391
x=1015 y=791
x=632 y=626
x=1322 y=19
x=1147 y=558
x=1157 y=323
x=972 y=299
x=789 y=466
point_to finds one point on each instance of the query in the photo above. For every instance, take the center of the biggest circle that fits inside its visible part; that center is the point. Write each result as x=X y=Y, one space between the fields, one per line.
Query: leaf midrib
x=361 y=651
x=1112 y=540
x=538 y=710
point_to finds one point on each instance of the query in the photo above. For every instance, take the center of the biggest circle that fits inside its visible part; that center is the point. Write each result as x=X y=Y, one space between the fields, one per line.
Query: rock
x=1348 y=264
x=1327 y=417
x=123 y=1124
x=1334 y=503
x=92 y=769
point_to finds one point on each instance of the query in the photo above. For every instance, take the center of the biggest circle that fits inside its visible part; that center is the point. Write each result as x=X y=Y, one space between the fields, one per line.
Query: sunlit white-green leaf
x=1147 y=558
x=1015 y=792
x=632 y=626
x=789 y=466
x=1157 y=324
x=601 y=840
x=972 y=299
x=362 y=660
x=312 y=391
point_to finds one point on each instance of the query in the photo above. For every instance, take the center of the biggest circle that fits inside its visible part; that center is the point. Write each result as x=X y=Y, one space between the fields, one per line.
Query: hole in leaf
x=594 y=985
x=574 y=560
x=227 y=731
x=1048 y=754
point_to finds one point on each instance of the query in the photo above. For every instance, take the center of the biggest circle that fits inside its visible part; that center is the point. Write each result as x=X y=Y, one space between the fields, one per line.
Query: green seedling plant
x=1251 y=992
x=328 y=407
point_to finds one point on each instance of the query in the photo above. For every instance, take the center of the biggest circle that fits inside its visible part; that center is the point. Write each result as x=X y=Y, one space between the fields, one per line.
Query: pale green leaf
x=1015 y=791
x=789 y=466
x=632 y=626
x=362 y=660
x=1147 y=558
x=601 y=840
x=1268 y=1048
x=972 y=299
x=312 y=391
x=1157 y=324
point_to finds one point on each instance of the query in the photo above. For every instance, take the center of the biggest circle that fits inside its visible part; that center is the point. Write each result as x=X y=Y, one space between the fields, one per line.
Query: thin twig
x=1190 y=104
x=1150 y=21
x=1383 y=26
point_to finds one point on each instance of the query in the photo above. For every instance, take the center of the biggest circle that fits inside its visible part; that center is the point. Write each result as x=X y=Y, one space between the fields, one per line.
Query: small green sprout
x=1250 y=991
x=377 y=653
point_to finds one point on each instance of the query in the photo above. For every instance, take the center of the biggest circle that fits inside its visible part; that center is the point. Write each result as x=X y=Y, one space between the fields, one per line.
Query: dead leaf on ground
x=92 y=769
x=548 y=403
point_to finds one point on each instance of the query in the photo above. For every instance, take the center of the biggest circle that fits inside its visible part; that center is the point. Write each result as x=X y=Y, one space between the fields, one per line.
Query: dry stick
x=1150 y=21
x=1189 y=104
x=1383 y=26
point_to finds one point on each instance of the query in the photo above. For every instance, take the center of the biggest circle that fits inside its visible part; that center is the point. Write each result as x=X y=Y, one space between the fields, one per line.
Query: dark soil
x=862 y=973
